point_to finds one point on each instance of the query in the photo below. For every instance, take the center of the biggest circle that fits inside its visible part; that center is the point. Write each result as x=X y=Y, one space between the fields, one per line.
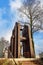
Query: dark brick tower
x=28 y=50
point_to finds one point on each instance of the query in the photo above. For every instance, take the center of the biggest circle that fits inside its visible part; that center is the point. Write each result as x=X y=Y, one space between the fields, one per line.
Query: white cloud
x=15 y=4
x=41 y=2
x=38 y=47
x=40 y=31
x=38 y=44
x=7 y=35
x=4 y=32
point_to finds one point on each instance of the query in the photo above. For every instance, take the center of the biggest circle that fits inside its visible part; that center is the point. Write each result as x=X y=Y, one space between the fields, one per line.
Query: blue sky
x=8 y=17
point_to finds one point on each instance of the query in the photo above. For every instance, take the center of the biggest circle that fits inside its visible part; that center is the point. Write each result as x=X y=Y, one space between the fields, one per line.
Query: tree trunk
x=31 y=31
x=32 y=42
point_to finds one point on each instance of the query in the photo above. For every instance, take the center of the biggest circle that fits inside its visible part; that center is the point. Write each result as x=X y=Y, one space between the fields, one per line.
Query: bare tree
x=3 y=44
x=33 y=11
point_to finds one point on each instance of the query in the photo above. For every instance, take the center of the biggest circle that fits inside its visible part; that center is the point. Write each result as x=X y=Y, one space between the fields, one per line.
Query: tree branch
x=36 y=16
x=35 y=30
x=25 y=23
x=24 y=13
